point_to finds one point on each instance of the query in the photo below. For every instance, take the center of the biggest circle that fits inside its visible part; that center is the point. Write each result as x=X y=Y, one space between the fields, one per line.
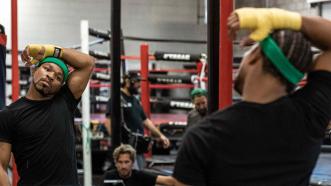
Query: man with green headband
x=199 y=99
x=273 y=136
x=38 y=128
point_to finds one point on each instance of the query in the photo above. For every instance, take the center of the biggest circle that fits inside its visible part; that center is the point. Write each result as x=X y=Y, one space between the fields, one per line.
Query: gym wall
x=58 y=22
x=48 y=21
x=296 y=5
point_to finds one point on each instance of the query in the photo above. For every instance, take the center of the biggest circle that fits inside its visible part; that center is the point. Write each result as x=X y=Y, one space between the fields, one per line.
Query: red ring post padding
x=145 y=92
x=225 y=58
x=15 y=71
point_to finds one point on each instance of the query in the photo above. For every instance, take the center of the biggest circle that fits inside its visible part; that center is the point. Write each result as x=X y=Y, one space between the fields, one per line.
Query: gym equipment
x=107 y=36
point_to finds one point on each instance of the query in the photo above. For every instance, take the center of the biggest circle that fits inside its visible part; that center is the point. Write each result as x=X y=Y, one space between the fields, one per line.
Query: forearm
x=4 y=180
x=318 y=31
x=178 y=183
x=165 y=180
x=77 y=60
x=5 y=154
x=108 y=125
x=155 y=132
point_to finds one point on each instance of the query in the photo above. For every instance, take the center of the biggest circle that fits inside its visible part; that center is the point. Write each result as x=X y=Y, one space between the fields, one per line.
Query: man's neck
x=266 y=90
x=126 y=176
x=126 y=91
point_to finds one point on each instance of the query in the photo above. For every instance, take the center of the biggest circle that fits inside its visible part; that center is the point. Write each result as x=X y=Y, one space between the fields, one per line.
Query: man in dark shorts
x=273 y=137
x=38 y=128
x=124 y=157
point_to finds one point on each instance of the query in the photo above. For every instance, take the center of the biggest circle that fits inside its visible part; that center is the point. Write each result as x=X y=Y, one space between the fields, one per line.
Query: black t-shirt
x=193 y=118
x=254 y=144
x=42 y=138
x=134 y=115
x=138 y=178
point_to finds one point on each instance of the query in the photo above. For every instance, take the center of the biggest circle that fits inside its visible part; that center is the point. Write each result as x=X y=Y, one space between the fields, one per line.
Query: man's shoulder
x=140 y=172
x=111 y=174
x=193 y=113
x=16 y=105
x=64 y=91
x=144 y=176
x=219 y=118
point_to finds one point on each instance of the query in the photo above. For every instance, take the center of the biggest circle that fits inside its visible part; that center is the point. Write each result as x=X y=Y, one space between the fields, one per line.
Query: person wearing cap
x=38 y=127
x=274 y=135
x=134 y=117
x=199 y=99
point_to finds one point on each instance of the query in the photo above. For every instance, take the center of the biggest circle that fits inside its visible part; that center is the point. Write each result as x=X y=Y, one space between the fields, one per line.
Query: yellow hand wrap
x=39 y=52
x=262 y=21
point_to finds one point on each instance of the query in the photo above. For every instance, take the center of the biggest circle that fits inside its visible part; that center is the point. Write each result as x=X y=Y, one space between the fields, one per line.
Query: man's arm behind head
x=318 y=30
x=5 y=153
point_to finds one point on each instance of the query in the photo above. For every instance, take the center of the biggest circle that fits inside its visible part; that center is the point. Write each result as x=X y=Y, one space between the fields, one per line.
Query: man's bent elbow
x=91 y=63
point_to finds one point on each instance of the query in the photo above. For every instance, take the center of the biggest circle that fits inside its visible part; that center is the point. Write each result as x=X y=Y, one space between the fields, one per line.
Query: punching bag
x=3 y=42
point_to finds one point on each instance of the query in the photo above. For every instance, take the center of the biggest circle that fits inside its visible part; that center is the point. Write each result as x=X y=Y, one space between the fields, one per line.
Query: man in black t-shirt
x=38 y=128
x=124 y=157
x=134 y=116
x=273 y=136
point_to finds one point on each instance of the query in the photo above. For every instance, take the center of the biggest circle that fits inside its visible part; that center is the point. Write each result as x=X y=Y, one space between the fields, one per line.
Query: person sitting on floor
x=124 y=157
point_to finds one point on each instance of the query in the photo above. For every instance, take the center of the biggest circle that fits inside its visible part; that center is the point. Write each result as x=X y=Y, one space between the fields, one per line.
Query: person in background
x=199 y=99
x=124 y=157
x=134 y=116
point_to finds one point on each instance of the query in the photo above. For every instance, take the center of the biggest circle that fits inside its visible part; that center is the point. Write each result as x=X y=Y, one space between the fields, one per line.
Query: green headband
x=279 y=60
x=198 y=91
x=59 y=63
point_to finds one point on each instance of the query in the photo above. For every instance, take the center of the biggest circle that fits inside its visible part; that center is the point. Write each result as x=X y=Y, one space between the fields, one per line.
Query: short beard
x=126 y=176
x=40 y=90
x=202 y=112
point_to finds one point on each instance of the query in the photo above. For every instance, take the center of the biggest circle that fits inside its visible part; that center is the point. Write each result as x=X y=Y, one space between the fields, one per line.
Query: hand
x=165 y=141
x=28 y=59
x=262 y=21
x=34 y=53
x=233 y=27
